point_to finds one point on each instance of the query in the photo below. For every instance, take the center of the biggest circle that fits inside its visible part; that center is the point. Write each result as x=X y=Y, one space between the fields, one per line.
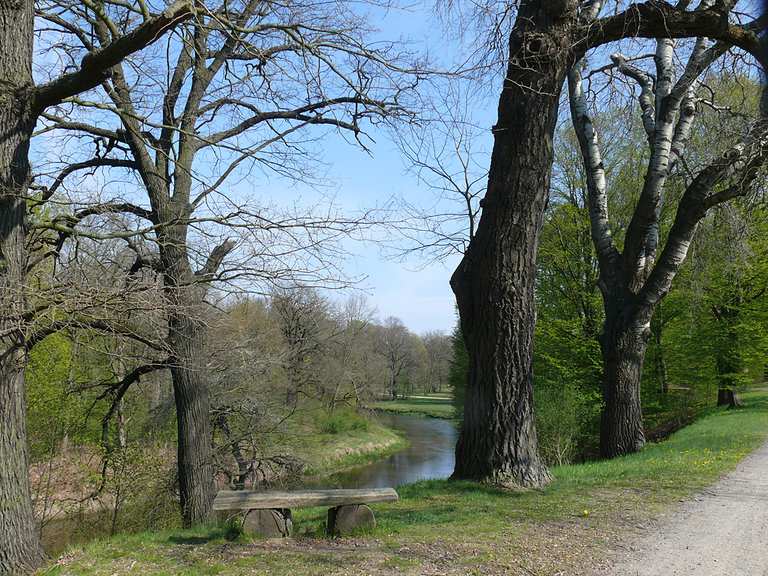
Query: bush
x=342 y=421
x=566 y=422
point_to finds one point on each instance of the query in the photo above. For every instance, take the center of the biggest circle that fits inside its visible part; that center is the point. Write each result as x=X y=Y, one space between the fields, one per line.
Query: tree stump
x=347 y=519
x=275 y=523
x=727 y=397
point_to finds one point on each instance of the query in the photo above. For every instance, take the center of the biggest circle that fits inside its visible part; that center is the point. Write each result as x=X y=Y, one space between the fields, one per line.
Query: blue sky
x=415 y=289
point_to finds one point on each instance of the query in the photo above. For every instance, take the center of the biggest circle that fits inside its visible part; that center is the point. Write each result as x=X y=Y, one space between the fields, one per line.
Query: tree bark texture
x=494 y=283
x=20 y=549
x=186 y=341
x=624 y=342
x=195 y=460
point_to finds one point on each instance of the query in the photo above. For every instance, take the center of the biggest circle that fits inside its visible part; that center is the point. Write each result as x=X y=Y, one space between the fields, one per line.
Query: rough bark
x=494 y=283
x=20 y=549
x=190 y=387
x=623 y=342
x=186 y=342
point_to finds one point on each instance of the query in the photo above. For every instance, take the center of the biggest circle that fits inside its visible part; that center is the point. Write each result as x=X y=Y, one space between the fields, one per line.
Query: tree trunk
x=623 y=343
x=660 y=362
x=728 y=364
x=294 y=383
x=494 y=283
x=20 y=549
x=190 y=387
x=728 y=360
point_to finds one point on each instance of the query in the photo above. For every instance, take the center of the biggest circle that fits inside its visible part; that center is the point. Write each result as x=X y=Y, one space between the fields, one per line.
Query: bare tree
x=443 y=152
x=352 y=358
x=302 y=314
x=439 y=356
x=21 y=104
x=634 y=280
x=396 y=349
x=239 y=87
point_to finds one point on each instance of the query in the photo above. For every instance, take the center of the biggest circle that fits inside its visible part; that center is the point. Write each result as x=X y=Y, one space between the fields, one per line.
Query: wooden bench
x=269 y=513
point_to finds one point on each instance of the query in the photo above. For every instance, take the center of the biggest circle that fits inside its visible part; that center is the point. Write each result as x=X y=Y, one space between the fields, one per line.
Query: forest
x=179 y=316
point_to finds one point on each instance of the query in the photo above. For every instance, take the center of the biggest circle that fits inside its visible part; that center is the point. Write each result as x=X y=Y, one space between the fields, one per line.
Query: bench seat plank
x=247 y=500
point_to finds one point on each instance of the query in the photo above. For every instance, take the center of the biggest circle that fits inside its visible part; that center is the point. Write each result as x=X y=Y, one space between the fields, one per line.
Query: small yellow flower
x=585 y=513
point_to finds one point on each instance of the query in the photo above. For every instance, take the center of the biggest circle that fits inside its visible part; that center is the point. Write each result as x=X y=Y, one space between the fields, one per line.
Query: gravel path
x=721 y=532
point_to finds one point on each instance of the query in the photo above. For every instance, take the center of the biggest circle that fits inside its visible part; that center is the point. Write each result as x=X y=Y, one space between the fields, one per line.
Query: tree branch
x=593 y=163
x=95 y=65
x=657 y=19
x=215 y=259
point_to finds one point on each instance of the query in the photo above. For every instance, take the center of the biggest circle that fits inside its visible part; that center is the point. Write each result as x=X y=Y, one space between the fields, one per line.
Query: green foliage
x=56 y=408
x=343 y=420
x=233 y=528
x=457 y=375
x=567 y=361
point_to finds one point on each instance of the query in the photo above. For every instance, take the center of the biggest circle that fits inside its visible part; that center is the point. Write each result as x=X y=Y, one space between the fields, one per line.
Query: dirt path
x=721 y=532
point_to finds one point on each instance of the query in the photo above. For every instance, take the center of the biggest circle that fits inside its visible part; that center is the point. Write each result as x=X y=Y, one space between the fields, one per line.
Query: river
x=430 y=455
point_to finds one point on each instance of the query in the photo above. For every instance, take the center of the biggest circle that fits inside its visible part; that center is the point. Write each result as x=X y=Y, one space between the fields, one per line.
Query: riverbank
x=434 y=406
x=441 y=527
x=331 y=452
x=322 y=445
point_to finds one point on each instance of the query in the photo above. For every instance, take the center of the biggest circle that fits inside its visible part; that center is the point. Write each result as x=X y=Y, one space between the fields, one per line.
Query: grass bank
x=331 y=443
x=433 y=406
x=330 y=452
x=441 y=527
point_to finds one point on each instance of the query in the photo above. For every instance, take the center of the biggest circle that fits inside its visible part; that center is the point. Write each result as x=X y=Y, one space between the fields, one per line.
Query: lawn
x=433 y=406
x=441 y=527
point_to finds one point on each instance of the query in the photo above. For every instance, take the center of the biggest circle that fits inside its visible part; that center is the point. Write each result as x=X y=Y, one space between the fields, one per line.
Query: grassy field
x=434 y=406
x=441 y=527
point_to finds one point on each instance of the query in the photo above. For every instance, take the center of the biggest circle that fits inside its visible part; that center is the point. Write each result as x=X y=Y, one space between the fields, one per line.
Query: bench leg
x=346 y=519
x=275 y=523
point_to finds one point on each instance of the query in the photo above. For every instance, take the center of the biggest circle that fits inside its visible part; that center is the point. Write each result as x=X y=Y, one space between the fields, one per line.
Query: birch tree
x=634 y=280
x=494 y=283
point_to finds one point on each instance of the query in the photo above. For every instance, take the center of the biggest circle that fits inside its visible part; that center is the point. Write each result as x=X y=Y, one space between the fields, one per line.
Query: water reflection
x=430 y=455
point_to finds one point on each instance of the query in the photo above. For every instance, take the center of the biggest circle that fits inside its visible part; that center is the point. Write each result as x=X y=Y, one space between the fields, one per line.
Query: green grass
x=456 y=527
x=332 y=443
x=332 y=452
x=433 y=406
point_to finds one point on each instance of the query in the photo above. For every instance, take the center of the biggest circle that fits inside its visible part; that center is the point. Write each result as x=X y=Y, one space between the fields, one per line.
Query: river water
x=430 y=455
